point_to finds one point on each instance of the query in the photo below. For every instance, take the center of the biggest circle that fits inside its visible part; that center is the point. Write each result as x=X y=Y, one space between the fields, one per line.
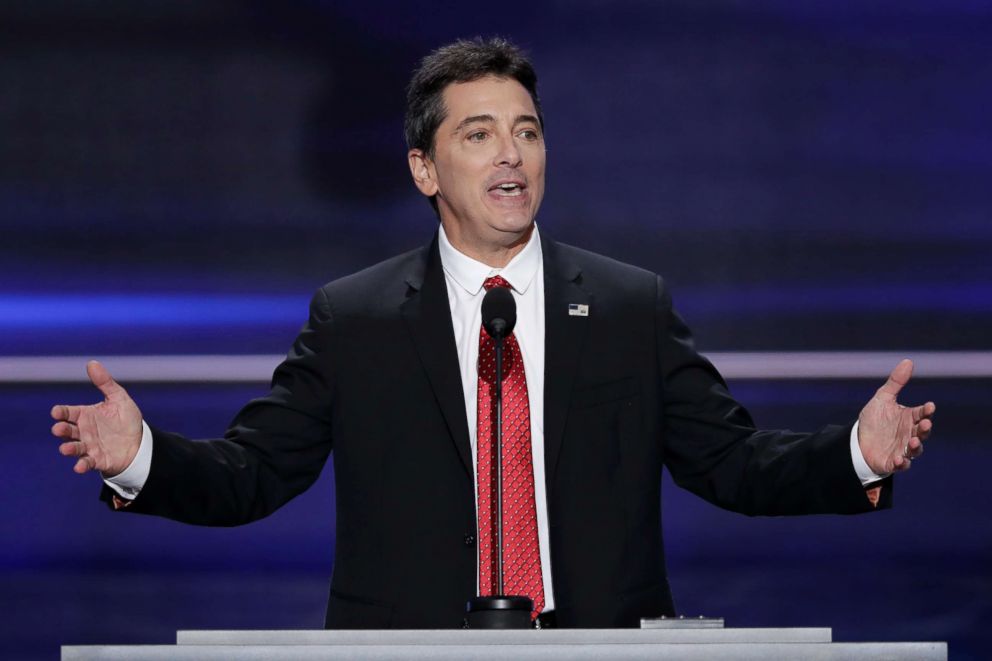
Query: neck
x=496 y=254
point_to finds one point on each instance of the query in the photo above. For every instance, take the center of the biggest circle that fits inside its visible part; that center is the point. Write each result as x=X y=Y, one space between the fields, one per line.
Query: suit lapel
x=564 y=337
x=428 y=318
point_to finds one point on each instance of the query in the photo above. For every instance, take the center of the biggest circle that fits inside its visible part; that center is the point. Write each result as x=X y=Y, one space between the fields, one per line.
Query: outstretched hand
x=104 y=436
x=892 y=435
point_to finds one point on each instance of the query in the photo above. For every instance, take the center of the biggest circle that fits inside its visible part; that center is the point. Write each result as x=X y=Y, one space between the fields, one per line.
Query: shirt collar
x=470 y=274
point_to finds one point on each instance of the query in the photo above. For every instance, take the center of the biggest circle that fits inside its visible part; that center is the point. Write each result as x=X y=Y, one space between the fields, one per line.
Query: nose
x=507 y=154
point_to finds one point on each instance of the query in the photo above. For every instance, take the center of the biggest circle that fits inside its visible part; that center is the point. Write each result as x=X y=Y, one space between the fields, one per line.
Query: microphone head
x=499 y=312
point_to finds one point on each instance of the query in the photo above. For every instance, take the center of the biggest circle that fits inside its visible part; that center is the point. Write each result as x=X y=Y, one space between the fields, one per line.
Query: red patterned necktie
x=521 y=555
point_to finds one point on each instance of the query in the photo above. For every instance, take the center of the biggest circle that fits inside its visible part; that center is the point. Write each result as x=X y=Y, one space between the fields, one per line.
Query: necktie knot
x=496 y=281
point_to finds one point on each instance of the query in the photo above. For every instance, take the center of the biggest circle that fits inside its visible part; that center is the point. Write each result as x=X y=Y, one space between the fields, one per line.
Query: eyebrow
x=489 y=119
x=524 y=119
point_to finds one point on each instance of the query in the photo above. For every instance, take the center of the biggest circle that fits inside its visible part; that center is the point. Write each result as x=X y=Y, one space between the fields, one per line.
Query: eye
x=529 y=134
x=476 y=136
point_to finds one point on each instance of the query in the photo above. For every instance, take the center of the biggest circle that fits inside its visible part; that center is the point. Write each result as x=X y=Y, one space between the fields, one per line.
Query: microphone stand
x=499 y=611
x=499 y=462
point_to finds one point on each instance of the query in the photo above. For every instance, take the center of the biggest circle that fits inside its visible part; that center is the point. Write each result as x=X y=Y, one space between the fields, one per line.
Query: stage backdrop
x=176 y=178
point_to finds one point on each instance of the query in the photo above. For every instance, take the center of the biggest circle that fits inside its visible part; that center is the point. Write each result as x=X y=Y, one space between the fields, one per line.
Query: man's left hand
x=891 y=435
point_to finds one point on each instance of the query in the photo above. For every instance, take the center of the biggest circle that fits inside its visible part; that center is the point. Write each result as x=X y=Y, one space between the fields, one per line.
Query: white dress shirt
x=525 y=273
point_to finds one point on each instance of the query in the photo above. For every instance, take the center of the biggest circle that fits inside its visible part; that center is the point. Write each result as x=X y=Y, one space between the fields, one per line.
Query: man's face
x=488 y=165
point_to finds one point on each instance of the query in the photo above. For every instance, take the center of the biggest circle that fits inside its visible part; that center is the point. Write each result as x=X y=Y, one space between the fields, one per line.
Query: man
x=393 y=373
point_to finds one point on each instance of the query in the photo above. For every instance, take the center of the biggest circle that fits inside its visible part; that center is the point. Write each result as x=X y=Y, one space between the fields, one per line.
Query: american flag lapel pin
x=578 y=310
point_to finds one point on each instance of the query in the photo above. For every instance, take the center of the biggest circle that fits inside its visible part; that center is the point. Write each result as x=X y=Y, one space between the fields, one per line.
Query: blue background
x=178 y=177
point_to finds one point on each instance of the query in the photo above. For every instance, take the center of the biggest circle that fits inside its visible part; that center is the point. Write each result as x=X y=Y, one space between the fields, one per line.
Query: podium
x=677 y=640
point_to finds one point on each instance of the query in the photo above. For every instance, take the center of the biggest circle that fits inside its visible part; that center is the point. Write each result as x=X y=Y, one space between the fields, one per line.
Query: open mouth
x=508 y=189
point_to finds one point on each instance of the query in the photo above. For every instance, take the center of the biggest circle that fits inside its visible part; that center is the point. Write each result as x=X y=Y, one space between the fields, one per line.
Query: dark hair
x=462 y=61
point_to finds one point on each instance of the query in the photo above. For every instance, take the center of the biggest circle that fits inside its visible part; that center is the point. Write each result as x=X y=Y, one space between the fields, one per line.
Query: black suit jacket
x=374 y=375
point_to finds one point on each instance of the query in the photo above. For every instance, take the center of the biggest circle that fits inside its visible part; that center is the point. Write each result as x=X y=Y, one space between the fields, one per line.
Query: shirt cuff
x=865 y=473
x=128 y=483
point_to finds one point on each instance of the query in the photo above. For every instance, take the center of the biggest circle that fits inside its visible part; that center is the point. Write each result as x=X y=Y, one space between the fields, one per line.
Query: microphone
x=499 y=312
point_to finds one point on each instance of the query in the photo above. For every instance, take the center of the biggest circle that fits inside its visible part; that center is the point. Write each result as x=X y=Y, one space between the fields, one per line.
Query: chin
x=515 y=225
x=515 y=220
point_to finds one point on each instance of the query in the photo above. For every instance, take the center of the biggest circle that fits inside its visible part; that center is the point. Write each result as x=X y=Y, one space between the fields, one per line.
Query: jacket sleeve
x=713 y=449
x=274 y=449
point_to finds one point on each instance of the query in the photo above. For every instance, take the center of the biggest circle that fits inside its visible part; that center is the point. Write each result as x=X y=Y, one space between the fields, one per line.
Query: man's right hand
x=105 y=436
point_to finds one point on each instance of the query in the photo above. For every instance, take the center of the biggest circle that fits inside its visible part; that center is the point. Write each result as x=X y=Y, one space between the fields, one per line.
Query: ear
x=422 y=169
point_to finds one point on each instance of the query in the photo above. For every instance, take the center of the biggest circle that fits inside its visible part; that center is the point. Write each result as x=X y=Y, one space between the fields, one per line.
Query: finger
x=84 y=464
x=925 y=411
x=914 y=453
x=72 y=449
x=898 y=378
x=914 y=448
x=65 y=430
x=923 y=429
x=101 y=378
x=901 y=463
x=64 y=412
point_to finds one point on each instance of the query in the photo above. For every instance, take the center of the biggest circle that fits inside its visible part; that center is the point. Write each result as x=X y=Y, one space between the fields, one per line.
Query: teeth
x=510 y=190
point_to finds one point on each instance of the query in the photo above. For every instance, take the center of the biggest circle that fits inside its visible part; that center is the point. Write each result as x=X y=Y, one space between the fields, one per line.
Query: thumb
x=101 y=378
x=899 y=377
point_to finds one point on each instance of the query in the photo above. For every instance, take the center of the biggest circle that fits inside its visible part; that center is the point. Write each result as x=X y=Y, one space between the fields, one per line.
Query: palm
x=891 y=435
x=105 y=436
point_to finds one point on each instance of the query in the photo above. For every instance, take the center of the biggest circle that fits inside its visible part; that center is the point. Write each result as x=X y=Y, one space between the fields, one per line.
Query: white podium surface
x=473 y=652
x=544 y=645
